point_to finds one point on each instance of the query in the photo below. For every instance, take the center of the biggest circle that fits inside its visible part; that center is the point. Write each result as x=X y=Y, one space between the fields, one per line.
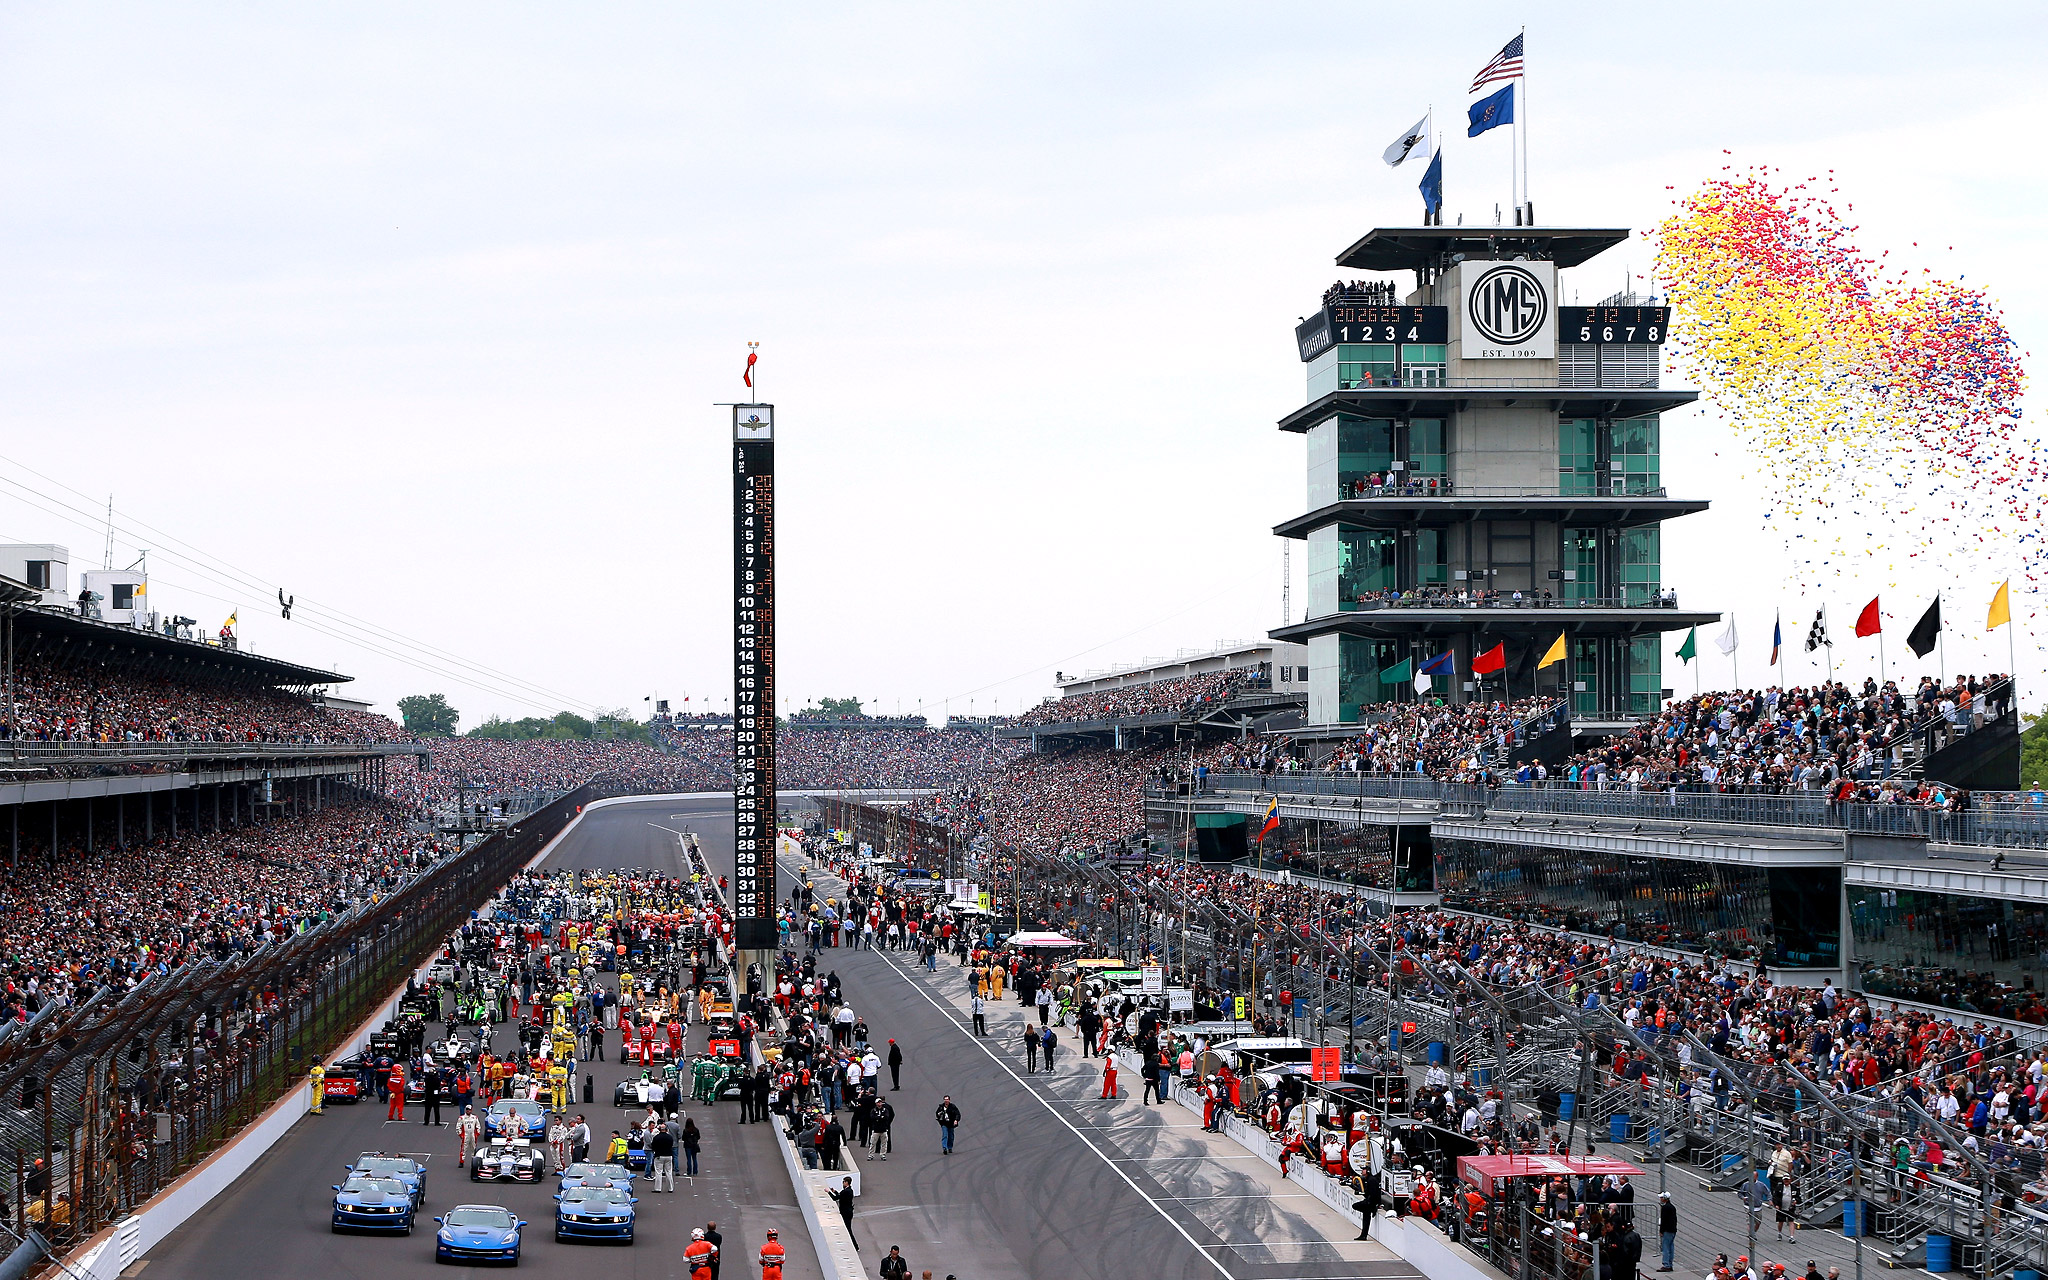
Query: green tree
x=2034 y=752
x=832 y=707
x=429 y=715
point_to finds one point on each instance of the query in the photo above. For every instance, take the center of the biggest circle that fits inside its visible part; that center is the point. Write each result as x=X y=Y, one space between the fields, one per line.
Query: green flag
x=1690 y=649
x=1400 y=673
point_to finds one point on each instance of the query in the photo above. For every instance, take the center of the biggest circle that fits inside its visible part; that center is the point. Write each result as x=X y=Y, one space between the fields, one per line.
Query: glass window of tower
x=1636 y=461
x=1977 y=955
x=1578 y=456
x=1426 y=446
x=1359 y=663
x=1582 y=559
x=1640 y=564
x=1645 y=675
x=1585 y=671
x=1361 y=365
x=1430 y=560
x=1365 y=448
x=1422 y=365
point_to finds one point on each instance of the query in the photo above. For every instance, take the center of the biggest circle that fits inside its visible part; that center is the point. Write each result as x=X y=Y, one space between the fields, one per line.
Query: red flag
x=748 y=376
x=1867 y=623
x=1494 y=659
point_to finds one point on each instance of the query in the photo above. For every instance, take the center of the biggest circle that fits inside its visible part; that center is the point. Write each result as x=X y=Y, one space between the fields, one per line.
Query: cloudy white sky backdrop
x=421 y=312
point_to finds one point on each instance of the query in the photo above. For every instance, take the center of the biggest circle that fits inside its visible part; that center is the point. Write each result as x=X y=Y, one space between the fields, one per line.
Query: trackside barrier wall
x=113 y=1250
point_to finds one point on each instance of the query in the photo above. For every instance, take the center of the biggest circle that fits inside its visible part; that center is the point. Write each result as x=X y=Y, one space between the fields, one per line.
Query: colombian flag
x=1272 y=818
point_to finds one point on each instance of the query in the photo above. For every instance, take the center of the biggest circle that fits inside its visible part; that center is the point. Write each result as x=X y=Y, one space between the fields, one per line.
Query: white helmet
x=696 y=1233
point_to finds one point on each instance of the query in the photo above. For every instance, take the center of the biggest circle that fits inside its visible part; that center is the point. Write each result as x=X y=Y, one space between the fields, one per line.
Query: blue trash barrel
x=1850 y=1225
x=1439 y=1053
x=1485 y=1075
x=1567 y=1103
x=1938 y=1253
x=1394 y=1037
x=1617 y=1127
x=1655 y=1136
x=2026 y=1275
x=1730 y=1162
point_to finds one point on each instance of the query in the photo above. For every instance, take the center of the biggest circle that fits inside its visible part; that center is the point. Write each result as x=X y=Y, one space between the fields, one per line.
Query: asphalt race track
x=274 y=1220
x=1025 y=1196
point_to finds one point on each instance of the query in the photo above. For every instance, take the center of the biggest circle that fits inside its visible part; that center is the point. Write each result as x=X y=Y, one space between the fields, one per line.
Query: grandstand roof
x=13 y=592
x=1408 y=248
x=63 y=627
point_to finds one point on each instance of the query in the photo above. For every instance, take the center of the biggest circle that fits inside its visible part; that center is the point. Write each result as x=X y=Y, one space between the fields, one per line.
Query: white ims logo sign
x=1507 y=306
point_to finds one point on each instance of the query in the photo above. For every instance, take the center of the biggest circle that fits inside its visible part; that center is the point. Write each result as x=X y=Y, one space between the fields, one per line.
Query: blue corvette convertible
x=576 y=1175
x=595 y=1211
x=478 y=1233
x=402 y=1169
x=373 y=1204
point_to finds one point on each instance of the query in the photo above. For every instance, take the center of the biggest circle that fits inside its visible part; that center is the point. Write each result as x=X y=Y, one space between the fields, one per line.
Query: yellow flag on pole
x=2001 y=607
x=1553 y=654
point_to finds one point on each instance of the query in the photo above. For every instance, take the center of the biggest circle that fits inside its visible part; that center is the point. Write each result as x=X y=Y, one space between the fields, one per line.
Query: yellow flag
x=1554 y=654
x=2001 y=607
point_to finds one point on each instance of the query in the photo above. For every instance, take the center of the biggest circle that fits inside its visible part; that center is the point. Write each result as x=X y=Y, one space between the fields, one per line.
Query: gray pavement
x=274 y=1220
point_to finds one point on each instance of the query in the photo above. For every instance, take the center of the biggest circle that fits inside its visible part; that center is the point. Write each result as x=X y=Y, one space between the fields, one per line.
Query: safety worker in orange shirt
x=697 y=1257
x=1109 y=1078
x=771 y=1257
x=396 y=1083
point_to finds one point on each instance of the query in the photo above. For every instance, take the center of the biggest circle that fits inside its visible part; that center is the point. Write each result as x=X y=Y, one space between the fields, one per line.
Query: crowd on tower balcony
x=72 y=921
x=94 y=702
x=1183 y=695
x=1442 y=596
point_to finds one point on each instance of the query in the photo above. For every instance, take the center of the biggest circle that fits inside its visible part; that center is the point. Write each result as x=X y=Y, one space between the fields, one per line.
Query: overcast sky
x=422 y=311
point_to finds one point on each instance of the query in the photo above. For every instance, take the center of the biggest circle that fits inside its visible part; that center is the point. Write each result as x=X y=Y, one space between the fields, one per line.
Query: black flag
x=1921 y=639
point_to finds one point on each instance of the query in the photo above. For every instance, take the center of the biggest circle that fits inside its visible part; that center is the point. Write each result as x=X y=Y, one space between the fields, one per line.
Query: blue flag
x=1492 y=111
x=1432 y=187
x=1443 y=664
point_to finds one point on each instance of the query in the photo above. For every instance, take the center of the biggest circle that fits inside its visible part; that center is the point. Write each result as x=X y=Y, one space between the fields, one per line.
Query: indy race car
x=633 y=1093
x=516 y=1160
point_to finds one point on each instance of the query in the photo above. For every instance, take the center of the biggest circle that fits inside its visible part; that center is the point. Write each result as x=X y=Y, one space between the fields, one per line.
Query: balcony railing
x=1431 y=378
x=1666 y=599
x=1436 y=486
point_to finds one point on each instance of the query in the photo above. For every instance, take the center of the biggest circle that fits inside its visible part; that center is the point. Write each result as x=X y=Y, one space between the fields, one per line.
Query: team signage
x=753 y=677
x=1381 y=325
x=1508 y=310
x=1601 y=325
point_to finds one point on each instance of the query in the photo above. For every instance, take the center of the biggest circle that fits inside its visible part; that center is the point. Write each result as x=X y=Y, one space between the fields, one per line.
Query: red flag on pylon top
x=748 y=376
x=1494 y=659
x=1867 y=622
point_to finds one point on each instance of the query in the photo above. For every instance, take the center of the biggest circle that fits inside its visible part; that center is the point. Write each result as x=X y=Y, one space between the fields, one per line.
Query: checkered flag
x=1817 y=634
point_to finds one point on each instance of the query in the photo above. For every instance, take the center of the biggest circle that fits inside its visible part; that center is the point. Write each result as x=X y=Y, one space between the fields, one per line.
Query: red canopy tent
x=1481 y=1171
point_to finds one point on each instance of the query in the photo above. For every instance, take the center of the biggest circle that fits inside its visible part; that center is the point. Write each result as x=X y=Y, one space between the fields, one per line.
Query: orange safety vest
x=771 y=1261
x=698 y=1257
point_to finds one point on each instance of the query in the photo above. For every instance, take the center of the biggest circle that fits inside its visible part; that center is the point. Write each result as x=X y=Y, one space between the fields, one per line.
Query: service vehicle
x=373 y=1204
x=409 y=1168
x=582 y=1171
x=478 y=1233
x=595 y=1211
x=515 y=1118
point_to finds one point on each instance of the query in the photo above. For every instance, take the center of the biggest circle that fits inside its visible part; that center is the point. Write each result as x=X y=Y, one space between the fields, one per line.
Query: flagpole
x=1523 y=114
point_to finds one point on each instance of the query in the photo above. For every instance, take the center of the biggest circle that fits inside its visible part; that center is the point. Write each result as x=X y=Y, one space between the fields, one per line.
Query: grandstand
x=1197 y=695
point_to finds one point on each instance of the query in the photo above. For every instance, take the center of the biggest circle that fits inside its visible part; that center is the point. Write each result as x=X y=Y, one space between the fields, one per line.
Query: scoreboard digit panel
x=1397 y=325
x=753 y=672
x=1598 y=326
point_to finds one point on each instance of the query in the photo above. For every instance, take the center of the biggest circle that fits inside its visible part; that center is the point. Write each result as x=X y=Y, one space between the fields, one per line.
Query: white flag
x=1727 y=640
x=1405 y=145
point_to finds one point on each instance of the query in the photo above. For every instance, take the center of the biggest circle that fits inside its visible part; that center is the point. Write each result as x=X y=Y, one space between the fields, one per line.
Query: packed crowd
x=71 y=921
x=1181 y=696
x=1828 y=737
x=94 y=702
x=1451 y=742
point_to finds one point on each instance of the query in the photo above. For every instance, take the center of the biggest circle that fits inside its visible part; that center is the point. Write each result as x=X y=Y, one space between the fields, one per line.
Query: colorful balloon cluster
x=1881 y=407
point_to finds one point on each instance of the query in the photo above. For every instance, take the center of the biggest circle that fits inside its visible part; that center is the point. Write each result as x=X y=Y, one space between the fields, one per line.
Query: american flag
x=1506 y=65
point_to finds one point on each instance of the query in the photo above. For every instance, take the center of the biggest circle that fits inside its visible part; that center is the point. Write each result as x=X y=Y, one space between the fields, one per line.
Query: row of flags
x=1922 y=639
x=1490 y=112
